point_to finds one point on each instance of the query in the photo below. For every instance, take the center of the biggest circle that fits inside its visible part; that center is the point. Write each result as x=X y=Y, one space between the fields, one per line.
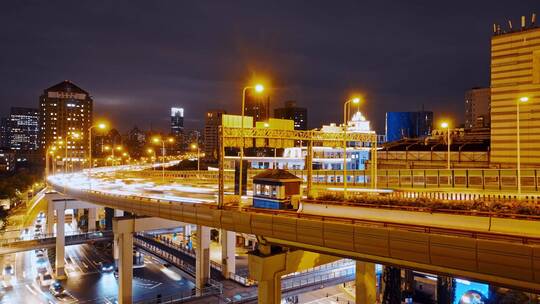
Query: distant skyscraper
x=292 y=112
x=257 y=106
x=23 y=129
x=177 y=128
x=408 y=124
x=477 y=108
x=177 y=121
x=4 y=133
x=65 y=109
x=211 y=133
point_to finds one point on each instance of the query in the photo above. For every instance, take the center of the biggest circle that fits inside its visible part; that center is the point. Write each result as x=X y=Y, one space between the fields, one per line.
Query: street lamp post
x=101 y=126
x=518 y=146
x=346 y=105
x=158 y=140
x=153 y=157
x=446 y=126
x=49 y=153
x=258 y=88
x=196 y=146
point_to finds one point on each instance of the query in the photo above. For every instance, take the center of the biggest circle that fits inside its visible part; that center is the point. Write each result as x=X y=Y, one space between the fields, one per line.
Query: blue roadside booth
x=274 y=189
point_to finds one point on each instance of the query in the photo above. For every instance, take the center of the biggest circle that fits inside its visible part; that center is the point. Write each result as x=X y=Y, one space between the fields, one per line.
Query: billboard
x=468 y=292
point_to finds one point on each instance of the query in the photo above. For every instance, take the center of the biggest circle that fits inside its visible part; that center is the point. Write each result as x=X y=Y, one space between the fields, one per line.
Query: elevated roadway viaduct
x=506 y=256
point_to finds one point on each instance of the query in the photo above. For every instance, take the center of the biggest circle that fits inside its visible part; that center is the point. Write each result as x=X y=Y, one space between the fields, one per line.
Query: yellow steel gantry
x=264 y=137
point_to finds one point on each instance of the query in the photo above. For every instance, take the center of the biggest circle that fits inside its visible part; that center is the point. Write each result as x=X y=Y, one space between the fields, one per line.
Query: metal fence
x=191 y=252
x=485 y=179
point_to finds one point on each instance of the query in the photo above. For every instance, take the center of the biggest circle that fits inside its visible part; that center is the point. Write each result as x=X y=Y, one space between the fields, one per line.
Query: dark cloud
x=138 y=58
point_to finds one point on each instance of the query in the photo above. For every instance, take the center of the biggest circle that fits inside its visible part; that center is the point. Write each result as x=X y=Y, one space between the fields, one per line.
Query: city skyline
x=421 y=55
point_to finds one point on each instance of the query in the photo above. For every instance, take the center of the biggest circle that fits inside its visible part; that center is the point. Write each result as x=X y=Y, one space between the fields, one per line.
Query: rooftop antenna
x=494 y=28
x=510 y=24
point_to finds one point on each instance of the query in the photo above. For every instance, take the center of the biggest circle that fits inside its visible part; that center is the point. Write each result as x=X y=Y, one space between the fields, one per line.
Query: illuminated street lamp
x=346 y=105
x=49 y=153
x=523 y=99
x=152 y=152
x=101 y=126
x=196 y=146
x=446 y=125
x=257 y=88
x=158 y=140
x=112 y=149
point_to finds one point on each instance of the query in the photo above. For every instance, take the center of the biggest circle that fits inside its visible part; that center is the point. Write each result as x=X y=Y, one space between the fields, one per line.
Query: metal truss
x=233 y=137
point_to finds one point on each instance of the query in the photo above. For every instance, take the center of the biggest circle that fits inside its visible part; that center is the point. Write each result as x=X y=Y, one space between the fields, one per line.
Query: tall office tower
x=65 y=110
x=292 y=112
x=515 y=73
x=177 y=128
x=408 y=124
x=23 y=129
x=257 y=106
x=477 y=107
x=177 y=121
x=4 y=133
x=211 y=133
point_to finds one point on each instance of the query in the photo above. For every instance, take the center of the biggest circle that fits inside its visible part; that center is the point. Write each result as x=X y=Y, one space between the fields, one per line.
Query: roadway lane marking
x=30 y=289
x=326 y=300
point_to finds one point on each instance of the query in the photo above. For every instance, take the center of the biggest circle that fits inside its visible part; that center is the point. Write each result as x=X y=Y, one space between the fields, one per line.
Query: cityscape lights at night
x=277 y=153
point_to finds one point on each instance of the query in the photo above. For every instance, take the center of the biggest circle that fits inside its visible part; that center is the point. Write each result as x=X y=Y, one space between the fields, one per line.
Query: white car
x=45 y=279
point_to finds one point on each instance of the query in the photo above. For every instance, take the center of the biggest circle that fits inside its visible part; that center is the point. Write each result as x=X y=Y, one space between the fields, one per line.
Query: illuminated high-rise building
x=293 y=112
x=177 y=128
x=211 y=133
x=515 y=73
x=23 y=129
x=64 y=111
x=477 y=104
x=177 y=121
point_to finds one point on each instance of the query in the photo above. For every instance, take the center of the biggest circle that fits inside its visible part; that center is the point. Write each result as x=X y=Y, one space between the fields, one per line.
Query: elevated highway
x=504 y=252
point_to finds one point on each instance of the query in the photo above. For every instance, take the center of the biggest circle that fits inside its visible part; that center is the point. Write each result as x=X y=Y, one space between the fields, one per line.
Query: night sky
x=139 y=58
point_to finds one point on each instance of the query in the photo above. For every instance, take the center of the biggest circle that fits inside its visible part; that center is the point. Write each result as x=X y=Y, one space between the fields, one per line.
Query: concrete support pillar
x=123 y=229
x=60 y=242
x=269 y=291
x=74 y=221
x=92 y=216
x=125 y=269
x=366 y=285
x=116 y=250
x=50 y=217
x=228 y=252
x=202 y=263
x=267 y=268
